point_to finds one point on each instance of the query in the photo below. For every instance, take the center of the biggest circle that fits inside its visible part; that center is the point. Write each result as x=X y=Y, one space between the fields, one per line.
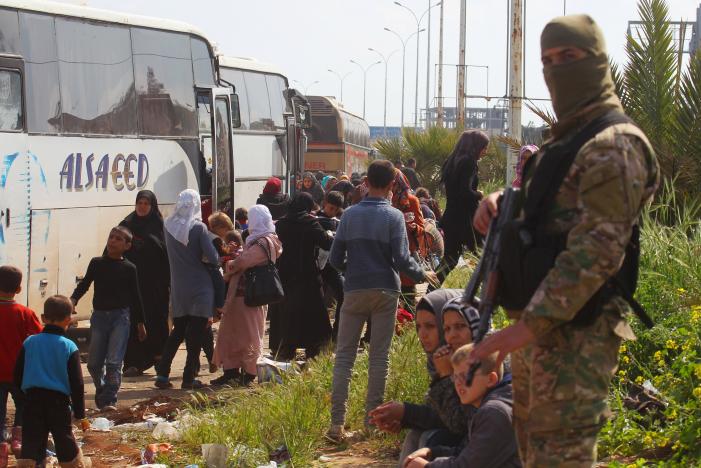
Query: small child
x=241 y=217
x=219 y=225
x=48 y=372
x=116 y=303
x=491 y=440
x=18 y=322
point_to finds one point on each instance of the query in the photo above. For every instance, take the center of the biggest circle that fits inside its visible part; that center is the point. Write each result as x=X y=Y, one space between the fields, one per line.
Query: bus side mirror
x=235 y=111
x=303 y=115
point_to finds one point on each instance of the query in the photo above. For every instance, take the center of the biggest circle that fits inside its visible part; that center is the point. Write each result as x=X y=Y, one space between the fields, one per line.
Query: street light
x=307 y=86
x=404 y=41
x=418 y=26
x=365 y=78
x=340 y=78
x=384 y=59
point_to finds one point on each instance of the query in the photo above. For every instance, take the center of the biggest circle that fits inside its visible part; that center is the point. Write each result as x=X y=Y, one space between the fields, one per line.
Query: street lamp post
x=404 y=42
x=340 y=78
x=365 y=79
x=418 y=29
x=307 y=86
x=384 y=59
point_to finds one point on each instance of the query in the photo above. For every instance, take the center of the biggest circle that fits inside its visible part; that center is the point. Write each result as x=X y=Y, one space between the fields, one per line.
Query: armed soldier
x=562 y=267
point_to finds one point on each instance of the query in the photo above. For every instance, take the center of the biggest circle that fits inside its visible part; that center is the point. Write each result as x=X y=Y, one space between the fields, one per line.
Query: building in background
x=492 y=120
x=696 y=35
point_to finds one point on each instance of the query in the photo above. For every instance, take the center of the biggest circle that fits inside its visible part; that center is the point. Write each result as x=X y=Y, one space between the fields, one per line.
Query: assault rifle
x=487 y=274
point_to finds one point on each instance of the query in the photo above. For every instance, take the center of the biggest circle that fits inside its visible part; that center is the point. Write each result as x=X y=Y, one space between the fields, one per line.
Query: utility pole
x=428 y=64
x=403 y=41
x=386 y=60
x=460 y=101
x=515 y=82
x=365 y=79
x=440 y=70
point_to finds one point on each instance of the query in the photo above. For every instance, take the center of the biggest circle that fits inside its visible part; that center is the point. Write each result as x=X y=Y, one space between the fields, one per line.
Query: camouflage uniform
x=561 y=380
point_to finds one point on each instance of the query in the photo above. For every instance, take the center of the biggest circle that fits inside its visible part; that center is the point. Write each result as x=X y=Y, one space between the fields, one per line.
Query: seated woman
x=443 y=324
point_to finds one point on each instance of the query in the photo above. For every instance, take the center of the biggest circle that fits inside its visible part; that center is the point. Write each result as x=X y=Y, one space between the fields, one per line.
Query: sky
x=305 y=38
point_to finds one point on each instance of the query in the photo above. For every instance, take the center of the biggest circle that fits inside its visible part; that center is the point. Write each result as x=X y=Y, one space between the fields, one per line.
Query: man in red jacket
x=18 y=322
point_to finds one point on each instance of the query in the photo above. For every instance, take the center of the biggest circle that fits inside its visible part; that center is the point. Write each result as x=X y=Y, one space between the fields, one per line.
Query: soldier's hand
x=504 y=341
x=441 y=361
x=486 y=210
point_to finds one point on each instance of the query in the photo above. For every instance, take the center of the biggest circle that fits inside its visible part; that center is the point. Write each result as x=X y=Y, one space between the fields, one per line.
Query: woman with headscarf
x=191 y=289
x=523 y=156
x=274 y=199
x=440 y=420
x=459 y=177
x=148 y=253
x=242 y=327
x=345 y=188
x=313 y=187
x=303 y=321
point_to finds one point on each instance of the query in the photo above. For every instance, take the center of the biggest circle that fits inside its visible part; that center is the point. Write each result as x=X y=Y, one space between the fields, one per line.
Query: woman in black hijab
x=148 y=253
x=459 y=177
x=313 y=187
x=302 y=320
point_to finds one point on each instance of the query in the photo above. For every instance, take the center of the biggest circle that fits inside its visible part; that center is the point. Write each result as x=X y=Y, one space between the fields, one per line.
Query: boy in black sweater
x=331 y=277
x=116 y=302
x=48 y=372
x=491 y=440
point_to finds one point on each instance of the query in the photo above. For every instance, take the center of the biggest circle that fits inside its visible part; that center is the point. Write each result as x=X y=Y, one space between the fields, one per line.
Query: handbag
x=263 y=285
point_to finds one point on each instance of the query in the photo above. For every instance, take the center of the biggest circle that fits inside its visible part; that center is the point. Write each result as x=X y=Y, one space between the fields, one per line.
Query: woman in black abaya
x=148 y=253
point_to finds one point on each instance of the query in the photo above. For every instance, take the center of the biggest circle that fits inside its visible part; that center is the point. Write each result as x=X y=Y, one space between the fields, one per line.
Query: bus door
x=17 y=170
x=216 y=164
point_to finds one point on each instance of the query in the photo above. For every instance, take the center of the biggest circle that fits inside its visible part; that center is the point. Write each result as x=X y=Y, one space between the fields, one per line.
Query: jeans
x=7 y=388
x=109 y=336
x=358 y=307
x=419 y=438
x=191 y=329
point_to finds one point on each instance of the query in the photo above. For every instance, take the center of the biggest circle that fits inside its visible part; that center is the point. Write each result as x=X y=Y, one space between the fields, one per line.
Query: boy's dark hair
x=422 y=192
x=241 y=213
x=57 y=308
x=380 y=173
x=126 y=232
x=234 y=236
x=411 y=162
x=334 y=198
x=10 y=278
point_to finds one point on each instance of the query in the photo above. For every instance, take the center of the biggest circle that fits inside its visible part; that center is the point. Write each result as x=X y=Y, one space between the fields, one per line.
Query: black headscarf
x=346 y=188
x=301 y=206
x=316 y=190
x=434 y=302
x=149 y=225
x=469 y=146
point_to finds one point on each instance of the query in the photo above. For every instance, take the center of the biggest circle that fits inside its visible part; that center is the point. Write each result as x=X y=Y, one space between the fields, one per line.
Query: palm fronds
x=544 y=114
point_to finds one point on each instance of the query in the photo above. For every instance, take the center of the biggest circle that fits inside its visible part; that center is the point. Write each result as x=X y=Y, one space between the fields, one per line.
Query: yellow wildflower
x=647 y=440
x=697 y=392
x=658 y=356
x=622 y=373
x=695 y=315
x=625 y=359
x=672 y=414
x=639 y=380
x=697 y=371
x=681 y=290
x=671 y=344
x=623 y=348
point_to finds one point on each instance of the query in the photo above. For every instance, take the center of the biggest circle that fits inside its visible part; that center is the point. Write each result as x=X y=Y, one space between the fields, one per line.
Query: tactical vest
x=528 y=252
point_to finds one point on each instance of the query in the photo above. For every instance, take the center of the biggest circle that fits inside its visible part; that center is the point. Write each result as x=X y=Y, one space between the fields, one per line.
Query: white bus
x=95 y=106
x=266 y=143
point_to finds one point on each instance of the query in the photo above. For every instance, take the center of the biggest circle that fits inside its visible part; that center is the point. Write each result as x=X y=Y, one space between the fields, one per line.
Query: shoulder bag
x=263 y=285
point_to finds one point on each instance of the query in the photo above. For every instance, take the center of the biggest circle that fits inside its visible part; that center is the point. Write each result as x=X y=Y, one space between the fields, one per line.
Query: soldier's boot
x=25 y=463
x=78 y=462
x=4 y=454
x=16 y=442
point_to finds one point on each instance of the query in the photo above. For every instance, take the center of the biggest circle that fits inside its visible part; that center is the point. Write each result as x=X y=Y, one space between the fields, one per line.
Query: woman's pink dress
x=242 y=328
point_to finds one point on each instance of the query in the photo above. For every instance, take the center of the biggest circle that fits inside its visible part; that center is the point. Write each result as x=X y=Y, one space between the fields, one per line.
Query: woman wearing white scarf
x=191 y=290
x=242 y=328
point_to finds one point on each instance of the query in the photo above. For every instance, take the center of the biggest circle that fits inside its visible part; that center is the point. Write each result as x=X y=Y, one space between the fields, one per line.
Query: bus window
x=235 y=77
x=222 y=120
x=202 y=65
x=278 y=105
x=9 y=25
x=97 y=78
x=10 y=101
x=164 y=82
x=38 y=44
x=258 y=102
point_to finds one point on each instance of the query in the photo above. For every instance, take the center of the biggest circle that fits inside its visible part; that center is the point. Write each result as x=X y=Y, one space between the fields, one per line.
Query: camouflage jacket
x=612 y=177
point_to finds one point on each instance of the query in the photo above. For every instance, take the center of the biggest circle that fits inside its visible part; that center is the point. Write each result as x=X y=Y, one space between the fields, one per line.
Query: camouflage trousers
x=560 y=388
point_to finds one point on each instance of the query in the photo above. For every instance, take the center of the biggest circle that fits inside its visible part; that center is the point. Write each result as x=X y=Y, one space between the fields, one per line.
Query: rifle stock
x=487 y=271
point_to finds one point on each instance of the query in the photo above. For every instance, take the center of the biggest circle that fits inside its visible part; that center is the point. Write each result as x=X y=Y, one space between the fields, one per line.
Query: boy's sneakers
x=337 y=434
x=163 y=383
x=194 y=385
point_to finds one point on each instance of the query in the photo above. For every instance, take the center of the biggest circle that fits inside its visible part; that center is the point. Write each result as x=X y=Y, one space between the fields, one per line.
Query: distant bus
x=266 y=141
x=97 y=105
x=338 y=140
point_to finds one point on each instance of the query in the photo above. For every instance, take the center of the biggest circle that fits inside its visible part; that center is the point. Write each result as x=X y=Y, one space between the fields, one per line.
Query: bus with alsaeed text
x=338 y=139
x=95 y=106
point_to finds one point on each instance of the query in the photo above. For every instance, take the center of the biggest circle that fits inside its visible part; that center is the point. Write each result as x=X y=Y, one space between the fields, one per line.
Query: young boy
x=48 y=372
x=241 y=217
x=116 y=303
x=328 y=218
x=491 y=440
x=370 y=248
x=18 y=322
